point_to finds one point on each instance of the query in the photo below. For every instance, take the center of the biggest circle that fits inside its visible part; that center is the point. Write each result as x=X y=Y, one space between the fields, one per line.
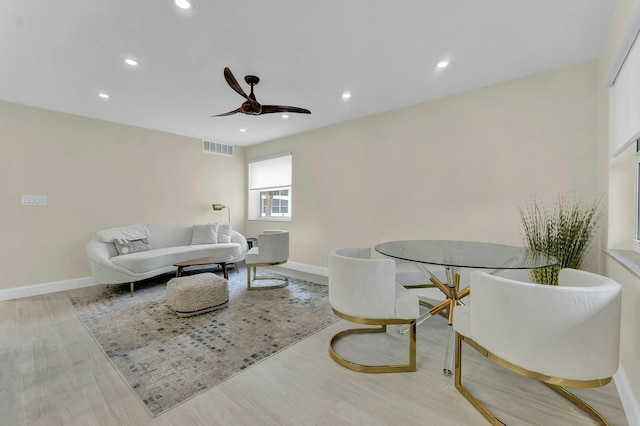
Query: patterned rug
x=167 y=359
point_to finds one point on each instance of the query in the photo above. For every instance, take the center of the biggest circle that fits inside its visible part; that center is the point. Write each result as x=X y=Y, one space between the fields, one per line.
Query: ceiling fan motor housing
x=251 y=108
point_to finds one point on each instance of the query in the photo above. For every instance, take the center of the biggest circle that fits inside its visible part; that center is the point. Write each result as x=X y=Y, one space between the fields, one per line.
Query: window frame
x=254 y=194
x=635 y=242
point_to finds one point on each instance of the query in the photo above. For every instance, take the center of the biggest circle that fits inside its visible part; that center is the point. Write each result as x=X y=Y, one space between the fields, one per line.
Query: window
x=624 y=75
x=274 y=203
x=270 y=188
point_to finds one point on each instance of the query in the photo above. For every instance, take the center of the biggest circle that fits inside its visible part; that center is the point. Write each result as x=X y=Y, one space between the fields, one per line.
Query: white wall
x=98 y=174
x=453 y=168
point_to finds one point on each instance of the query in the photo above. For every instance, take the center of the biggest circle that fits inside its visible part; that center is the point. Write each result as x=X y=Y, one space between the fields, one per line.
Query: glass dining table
x=454 y=255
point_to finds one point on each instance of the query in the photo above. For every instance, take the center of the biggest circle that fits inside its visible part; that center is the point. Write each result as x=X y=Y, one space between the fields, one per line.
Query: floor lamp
x=218 y=207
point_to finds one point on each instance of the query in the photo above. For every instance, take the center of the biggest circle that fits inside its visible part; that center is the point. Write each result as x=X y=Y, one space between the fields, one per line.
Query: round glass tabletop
x=466 y=254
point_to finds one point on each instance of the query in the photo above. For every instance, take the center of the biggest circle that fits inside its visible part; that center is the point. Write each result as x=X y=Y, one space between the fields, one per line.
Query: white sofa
x=169 y=244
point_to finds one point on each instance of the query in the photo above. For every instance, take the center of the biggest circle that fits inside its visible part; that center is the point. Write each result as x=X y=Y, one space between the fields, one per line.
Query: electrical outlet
x=34 y=200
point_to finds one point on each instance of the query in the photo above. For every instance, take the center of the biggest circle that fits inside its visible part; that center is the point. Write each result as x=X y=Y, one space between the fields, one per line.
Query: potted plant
x=564 y=229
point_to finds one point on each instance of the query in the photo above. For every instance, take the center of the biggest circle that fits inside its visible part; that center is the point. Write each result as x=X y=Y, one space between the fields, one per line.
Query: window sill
x=271 y=219
x=627 y=258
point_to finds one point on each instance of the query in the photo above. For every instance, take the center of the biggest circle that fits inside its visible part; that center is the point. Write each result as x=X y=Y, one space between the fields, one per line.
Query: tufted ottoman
x=197 y=294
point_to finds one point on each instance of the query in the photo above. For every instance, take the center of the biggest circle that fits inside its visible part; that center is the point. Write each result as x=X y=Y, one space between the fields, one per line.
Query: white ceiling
x=60 y=54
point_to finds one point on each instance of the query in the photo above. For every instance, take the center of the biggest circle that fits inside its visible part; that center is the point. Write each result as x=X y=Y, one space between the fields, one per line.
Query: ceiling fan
x=251 y=106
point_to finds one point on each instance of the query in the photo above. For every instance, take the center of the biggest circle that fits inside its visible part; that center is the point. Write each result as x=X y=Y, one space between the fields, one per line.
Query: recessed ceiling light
x=103 y=95
x=243 y=130
x=183 y=4
x=131 y=62
x=346 y=95
x=285 y=115
x=443 y=64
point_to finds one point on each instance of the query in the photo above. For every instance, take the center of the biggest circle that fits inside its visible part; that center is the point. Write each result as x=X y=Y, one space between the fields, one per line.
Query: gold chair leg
x=131 y=288
x=595 y=415
x=264 y=287
x=390 y=368
x=412 y=346
x=458 y=382
x=586 y=408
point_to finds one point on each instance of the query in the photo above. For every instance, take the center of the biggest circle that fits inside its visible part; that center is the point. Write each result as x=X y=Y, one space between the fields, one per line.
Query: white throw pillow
x=123 y=234
x=224 y=232
x=134 y=246
x=205 y=234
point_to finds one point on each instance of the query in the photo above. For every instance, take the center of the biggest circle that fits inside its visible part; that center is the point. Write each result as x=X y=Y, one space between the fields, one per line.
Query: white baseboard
x=317 y=274
x=309 y=269
x=627 y=397
x=45 y=288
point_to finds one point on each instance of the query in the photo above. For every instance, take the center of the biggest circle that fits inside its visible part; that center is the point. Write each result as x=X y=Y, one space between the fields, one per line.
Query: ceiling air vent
x=217 y=148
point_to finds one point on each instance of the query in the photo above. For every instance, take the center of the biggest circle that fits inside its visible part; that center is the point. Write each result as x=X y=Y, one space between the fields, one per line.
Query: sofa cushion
x=151 y=260
x=205 y=234
x=224 y=232
x=170 y=235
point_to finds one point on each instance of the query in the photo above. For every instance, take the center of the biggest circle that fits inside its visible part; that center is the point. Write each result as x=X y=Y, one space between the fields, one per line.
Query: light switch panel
x=34 y=200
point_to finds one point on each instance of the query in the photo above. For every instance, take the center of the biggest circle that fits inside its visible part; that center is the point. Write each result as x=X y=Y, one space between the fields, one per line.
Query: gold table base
x=453 y=298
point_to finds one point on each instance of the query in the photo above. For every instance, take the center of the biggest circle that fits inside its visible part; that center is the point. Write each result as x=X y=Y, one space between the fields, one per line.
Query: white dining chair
x=565 y=335
x=272 y=249
x=363 y=290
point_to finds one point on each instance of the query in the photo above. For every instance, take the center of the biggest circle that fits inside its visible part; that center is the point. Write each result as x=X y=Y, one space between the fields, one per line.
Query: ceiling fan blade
x=231 y=80
x=227 y=113
x=270 y=109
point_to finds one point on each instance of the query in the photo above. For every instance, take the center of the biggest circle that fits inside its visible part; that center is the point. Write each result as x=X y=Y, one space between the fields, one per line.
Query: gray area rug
x=167 y=359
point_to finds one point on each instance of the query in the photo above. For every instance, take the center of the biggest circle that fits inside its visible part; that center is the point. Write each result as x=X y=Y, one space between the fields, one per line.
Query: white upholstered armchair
x=273 y=249
x=364 y=291
x=565 y=335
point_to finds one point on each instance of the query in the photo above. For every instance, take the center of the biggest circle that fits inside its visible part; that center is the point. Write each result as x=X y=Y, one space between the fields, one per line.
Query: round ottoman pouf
x=197 y=294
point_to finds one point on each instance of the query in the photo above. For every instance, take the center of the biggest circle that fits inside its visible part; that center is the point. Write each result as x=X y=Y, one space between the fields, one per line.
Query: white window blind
x=626 y=104
x=269 y=173
x=624 y=74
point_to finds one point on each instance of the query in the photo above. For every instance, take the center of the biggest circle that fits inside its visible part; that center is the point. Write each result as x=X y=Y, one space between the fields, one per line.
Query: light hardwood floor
x=53 y=373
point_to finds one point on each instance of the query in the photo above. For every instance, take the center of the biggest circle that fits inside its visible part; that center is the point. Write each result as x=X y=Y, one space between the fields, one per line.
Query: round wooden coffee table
x=211 y=260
